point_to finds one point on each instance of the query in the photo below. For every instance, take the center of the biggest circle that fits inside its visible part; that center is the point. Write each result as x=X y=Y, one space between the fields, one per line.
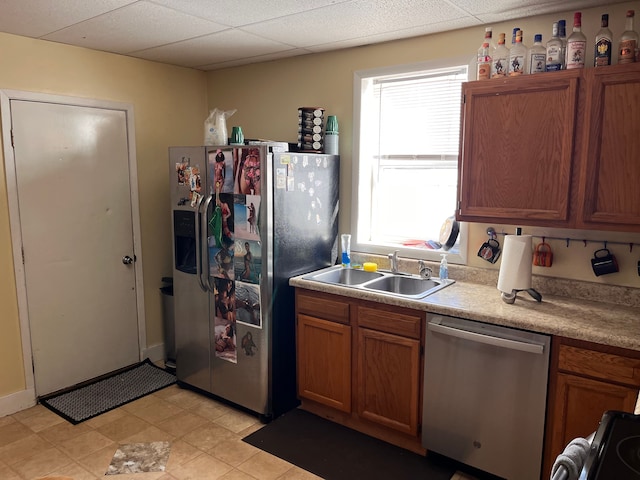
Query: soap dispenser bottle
x=444 y=267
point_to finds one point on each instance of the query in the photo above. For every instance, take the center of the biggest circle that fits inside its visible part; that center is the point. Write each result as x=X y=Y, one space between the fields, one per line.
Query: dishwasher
x=485 y=395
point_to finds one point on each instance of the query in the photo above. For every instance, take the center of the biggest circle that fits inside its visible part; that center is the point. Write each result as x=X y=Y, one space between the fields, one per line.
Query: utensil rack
x=492 y=233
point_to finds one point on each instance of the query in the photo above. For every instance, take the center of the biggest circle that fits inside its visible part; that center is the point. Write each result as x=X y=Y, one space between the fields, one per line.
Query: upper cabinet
x=517 y=143
x=608 y=185
x=557 y=149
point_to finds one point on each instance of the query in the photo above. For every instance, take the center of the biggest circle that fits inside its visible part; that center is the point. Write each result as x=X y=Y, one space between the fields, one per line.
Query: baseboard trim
x=17 y=401
x=155 y=353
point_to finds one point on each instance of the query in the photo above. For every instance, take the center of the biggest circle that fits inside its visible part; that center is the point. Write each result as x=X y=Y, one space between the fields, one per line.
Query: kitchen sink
x=383 y=282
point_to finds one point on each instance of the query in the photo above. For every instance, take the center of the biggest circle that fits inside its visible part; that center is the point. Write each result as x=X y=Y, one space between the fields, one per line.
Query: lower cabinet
x=324 y=362
x=388 y=366
x=587 y=380
x=360 y=364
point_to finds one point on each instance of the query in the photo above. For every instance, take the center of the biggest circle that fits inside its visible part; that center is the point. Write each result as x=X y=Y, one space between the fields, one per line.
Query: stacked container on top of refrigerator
x=245 y=219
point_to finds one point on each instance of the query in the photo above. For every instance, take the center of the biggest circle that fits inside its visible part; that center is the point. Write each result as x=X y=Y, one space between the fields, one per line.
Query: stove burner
x=629 y=453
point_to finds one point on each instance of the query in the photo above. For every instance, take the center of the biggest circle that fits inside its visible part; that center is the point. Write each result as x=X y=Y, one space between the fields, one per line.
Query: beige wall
x=169 y=106
x=268 y=95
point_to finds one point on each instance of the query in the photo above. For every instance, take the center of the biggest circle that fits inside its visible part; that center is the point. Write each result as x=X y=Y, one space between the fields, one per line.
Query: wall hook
x=542 y=239
x=605 y=244
x=585 y=242
x=568 y=240
x=630 y=247
x=491 y=232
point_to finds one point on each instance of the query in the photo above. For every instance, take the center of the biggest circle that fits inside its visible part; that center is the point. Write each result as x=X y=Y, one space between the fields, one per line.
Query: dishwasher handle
x=522 y=346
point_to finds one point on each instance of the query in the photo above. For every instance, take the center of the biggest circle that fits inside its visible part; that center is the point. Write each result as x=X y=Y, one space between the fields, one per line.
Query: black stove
x=615 y=449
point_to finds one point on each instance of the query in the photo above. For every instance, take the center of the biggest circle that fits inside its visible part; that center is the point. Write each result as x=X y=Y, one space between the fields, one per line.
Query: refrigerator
x=245 y=219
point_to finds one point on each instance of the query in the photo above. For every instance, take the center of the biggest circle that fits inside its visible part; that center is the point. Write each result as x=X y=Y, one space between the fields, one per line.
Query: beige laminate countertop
x=594 y=321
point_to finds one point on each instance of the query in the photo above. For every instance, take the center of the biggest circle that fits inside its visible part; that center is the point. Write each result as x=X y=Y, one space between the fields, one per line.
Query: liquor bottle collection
x=558 y=53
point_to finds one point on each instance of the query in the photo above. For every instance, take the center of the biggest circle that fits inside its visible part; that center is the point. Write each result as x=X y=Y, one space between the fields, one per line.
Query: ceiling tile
x=235 y=13
x=261 y=58
x=352 y=20
x=218 y=47
x=502 y=10
x=395 y=35
x=134 y=27
x=35 y=18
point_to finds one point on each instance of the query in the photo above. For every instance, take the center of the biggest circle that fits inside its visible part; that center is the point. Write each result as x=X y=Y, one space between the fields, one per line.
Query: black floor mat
x=96 y=397
x=334 y=452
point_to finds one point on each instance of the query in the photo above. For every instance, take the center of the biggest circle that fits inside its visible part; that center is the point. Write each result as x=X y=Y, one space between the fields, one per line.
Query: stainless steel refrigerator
x=245 y=219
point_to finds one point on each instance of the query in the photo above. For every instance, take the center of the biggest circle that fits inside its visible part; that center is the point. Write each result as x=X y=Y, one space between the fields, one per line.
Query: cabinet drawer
x=398 y=321
x=601 y=365
x=322 y=306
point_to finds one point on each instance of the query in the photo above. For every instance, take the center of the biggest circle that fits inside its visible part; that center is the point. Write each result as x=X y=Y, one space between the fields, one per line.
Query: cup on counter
x=346 y=250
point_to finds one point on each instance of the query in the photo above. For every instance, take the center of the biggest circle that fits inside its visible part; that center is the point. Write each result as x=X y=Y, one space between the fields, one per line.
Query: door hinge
x=22 y=249
x=12 y=144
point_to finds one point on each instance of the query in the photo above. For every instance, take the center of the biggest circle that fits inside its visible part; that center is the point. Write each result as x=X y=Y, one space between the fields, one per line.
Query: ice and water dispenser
x=184 y=228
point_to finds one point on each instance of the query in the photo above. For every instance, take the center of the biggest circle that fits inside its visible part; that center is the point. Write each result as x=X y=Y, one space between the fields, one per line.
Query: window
x=406 y=141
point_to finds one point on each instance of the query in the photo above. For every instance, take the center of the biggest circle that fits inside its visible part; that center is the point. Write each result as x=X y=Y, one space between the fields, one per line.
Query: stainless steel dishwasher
x=485 y=394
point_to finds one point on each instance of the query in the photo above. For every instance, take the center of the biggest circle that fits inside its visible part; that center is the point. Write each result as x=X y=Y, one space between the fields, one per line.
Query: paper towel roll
x=515 y=266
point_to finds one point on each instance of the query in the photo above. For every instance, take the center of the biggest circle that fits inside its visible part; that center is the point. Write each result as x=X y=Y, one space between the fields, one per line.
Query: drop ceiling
x=214 y=34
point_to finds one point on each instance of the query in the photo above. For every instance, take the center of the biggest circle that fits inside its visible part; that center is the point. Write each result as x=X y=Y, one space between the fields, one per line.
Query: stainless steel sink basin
x=345 y=276
x=403 y=285
x=383 y=282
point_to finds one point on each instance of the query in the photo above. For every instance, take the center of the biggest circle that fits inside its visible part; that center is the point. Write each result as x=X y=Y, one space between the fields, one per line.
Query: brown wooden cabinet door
x=324 y=362
x=609 y=194
x=388 y=369
x=517 y=146
x=579 y=405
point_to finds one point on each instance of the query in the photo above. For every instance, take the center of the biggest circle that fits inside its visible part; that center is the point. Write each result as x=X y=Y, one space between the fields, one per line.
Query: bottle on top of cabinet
x=555 y=51
x=576 y=44
x=484 y=56
x=500 y=59
x=518 y=57
x=537 y=56
x=562 y=33
x=628 y=45
x=603 y=45
x=513 y=36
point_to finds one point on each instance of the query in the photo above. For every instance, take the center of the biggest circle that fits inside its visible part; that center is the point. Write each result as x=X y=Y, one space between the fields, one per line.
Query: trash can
x=168 y=320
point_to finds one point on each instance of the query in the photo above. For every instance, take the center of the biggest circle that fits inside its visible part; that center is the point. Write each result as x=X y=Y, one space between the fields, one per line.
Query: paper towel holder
x=510 y=297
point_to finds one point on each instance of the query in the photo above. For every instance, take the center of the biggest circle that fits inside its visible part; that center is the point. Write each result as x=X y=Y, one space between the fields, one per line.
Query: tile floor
x=205 y=438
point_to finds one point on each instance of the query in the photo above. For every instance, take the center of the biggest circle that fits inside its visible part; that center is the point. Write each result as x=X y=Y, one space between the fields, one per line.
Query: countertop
x=608 y=323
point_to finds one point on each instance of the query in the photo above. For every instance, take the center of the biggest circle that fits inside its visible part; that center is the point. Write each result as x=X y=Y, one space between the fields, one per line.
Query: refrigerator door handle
x=204 y=277
x=203 y=287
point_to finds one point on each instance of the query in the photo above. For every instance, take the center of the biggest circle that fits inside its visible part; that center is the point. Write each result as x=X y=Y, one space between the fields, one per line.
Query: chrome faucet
x=393 y=258
x=425 y=272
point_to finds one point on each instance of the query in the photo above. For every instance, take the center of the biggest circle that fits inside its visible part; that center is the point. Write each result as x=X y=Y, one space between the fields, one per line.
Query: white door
x=74 y=199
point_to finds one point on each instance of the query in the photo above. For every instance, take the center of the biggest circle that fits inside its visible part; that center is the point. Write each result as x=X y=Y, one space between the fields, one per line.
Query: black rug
x=93 y=398
x=334 y=452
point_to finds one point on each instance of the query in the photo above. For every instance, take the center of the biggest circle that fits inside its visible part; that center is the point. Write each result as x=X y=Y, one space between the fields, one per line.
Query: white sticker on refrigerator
x=281 y=178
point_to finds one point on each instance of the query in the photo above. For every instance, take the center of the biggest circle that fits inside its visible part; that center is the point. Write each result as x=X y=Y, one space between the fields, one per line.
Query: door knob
x=127 y=260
